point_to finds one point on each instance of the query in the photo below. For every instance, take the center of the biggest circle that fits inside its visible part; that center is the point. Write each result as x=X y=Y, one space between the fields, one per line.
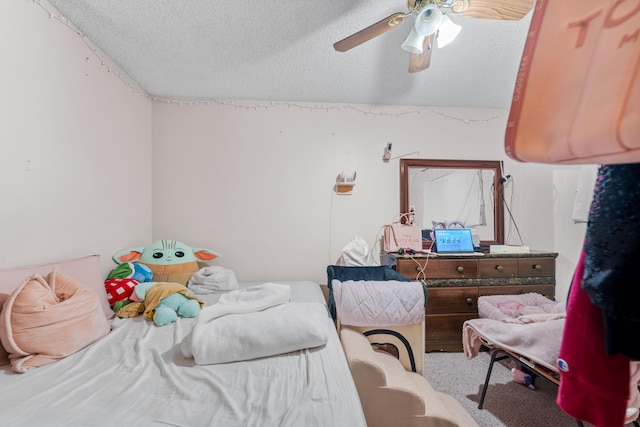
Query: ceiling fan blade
x=370 y=32
x=511 y=10
x=419 y=62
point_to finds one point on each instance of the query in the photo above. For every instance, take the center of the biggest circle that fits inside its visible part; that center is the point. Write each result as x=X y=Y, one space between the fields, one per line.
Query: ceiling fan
x=431 y=23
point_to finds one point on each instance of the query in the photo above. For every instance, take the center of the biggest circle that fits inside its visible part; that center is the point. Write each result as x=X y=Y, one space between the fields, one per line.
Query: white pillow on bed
x=47 y=319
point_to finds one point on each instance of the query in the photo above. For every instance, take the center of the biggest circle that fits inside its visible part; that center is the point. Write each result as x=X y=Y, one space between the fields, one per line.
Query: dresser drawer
x=452 y=300
x=528 y=267
x=412 y=268
x=445 y=327
x=498 y=267
x=458 y=268
x=454 y=345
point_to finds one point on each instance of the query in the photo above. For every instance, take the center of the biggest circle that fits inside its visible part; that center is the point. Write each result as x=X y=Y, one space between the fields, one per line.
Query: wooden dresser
x=454 y=284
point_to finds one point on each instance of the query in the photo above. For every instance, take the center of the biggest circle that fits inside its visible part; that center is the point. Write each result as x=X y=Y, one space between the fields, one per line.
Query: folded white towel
x=253 y=322
x=276 y=330
x=378 y=303
x=247 y=300
x=212 y=279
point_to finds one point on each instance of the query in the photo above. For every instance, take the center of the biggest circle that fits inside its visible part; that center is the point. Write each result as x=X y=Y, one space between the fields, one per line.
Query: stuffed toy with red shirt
x=122 y=281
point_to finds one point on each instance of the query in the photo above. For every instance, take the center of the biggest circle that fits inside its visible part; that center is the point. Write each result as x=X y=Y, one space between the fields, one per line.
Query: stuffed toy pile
x=161 y=301
x=121 y=282
x=152 y=281
x=169 y=260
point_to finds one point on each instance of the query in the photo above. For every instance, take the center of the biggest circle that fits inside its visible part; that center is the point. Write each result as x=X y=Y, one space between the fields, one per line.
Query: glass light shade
x=414 y=42
x=428 y=20
x=448 y=31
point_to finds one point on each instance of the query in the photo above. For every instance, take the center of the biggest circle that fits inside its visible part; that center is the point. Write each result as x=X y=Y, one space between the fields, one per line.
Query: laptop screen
x=453 y=241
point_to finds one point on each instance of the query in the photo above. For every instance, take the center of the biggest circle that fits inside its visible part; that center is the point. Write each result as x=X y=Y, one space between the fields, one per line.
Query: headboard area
x=85 y=270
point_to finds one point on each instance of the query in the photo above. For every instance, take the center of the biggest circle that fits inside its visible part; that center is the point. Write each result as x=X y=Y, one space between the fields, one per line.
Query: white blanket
x=212 y=279
x=378 y=303
x=255 y=322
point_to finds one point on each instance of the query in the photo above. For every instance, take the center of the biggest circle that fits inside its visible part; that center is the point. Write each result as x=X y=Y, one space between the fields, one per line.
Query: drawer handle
x=460 y=269
x=499 y=267
x=469 y=301
x=537 y=267
x=419 y=269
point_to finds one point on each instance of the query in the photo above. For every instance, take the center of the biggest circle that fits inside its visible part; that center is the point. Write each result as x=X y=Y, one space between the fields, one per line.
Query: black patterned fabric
x=612 y=256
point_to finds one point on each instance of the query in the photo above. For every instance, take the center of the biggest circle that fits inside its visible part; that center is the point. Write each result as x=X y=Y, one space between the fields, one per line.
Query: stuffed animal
x=121 y=282
x=169 y=260
x=161 y=301
x=131 y=270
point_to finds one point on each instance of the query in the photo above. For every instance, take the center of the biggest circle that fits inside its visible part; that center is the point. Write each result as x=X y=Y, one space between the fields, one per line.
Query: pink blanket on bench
x=528 y=324
x=524 y=308
x=538 y=341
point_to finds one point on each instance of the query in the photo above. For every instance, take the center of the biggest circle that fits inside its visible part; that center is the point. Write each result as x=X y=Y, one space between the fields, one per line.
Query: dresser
x=454 y=284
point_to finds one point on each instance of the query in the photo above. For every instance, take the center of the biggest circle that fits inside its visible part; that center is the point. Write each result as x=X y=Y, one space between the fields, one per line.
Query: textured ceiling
x=282 y=50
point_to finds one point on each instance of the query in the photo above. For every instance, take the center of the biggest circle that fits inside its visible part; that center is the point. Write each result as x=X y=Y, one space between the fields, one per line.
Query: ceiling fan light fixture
x=414 y=42
x=428 y=20
x=448 y=31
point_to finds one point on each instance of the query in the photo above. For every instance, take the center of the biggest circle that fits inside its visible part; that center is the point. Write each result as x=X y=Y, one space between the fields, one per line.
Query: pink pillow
x=45 y=320
x=4 y=356
x=86 y=270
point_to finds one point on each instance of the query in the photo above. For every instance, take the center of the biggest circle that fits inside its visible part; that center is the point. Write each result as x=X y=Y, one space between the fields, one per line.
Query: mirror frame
x=494 y=165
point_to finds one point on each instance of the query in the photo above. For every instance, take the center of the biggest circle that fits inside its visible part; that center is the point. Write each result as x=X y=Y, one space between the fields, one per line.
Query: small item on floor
x=522 y=378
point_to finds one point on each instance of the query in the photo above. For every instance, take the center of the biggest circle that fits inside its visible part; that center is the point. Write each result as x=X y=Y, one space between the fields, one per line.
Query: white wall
x=254 y=181
x=85 y=153
x=75 y=144
x=570 y=235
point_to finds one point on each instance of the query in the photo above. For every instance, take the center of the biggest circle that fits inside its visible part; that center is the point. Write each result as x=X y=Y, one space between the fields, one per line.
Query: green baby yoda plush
x=169 y=260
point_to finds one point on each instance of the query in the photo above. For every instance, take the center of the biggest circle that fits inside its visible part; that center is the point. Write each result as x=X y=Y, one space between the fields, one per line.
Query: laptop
x=453 y=241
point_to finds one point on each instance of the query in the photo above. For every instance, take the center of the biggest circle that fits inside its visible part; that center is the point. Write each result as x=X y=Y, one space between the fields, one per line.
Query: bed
x=137 y=375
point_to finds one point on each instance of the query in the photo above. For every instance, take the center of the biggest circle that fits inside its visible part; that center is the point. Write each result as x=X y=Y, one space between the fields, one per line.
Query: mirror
x=454 y=194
